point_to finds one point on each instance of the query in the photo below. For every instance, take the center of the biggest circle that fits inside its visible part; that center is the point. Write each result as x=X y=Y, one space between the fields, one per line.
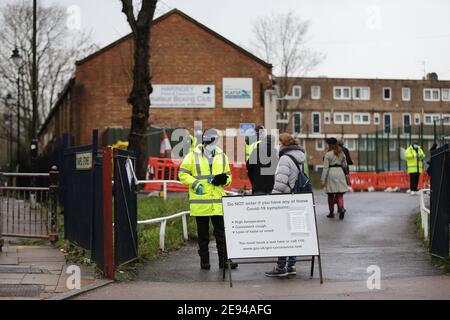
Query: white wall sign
x=183 y=96
x=270 y=226
x=237 y=92
x=83 y=161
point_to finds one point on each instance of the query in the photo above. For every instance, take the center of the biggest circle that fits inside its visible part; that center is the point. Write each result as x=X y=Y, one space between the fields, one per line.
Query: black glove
x=220 y=179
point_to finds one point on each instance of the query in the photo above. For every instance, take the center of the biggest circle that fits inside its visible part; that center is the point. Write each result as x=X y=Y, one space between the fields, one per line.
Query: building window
x=376 y=118
x=362 y=144
x=316 y=122
x=341 y=93
x=406 y=94
x=350 y=144
x=327 y=117
x=387 y=94
x=430 y=119
x=315 y=92
x=431 y=94
x=361 y=118
x=406 y=123
x=297 y=122
x=387 y=123
x=282 y=118
x=320 y=144
x=446 y=119
x=361 y=93
x=297 y=91
x=392 y=145
x=417 y=119
x=342 y=118
x=445 y=94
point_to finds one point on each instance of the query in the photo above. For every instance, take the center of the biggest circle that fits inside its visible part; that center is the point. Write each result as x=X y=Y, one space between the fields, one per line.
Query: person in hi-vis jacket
x=414 y=156
x=206 y=172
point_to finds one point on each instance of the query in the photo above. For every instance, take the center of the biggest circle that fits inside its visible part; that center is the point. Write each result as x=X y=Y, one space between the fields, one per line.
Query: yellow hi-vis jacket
x=249 y=149
x=194 y=171
x=414 y=159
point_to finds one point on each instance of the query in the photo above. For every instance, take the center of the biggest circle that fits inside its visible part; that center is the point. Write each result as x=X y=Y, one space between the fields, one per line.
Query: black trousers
x=414 y=181
x=203 y=236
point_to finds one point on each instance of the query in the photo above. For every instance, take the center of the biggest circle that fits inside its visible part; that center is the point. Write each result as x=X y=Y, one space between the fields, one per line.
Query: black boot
x=331 y=215
x=342 y=213
x=204 y=262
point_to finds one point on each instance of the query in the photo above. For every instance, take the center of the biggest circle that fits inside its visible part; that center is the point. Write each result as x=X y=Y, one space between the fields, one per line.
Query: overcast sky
x=361 y=38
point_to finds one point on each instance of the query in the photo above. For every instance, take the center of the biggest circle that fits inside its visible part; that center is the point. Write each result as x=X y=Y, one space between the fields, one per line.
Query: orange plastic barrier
x=363 y=180
x=167 y=169
x=384 y=180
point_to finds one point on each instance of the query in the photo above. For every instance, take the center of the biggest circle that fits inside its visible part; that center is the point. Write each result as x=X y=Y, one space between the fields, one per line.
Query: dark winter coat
x=261 y=166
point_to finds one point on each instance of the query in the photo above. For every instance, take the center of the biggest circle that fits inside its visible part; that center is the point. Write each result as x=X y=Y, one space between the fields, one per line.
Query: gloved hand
x=199 y=190
x=220 y=179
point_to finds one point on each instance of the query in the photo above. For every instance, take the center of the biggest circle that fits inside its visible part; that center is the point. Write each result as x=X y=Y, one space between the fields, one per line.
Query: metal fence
x=383 y=150
x=29 y=212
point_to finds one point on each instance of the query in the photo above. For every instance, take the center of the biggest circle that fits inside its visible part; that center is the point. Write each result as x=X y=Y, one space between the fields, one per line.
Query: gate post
x=107 y=214
x=53 y=189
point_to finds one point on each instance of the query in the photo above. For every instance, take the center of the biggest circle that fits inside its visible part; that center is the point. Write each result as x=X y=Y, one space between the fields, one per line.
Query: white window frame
x=448 y=94
x=376 y=118
x=293 y=122
x=299 y=89
x=360 y=98
x=431 y=94
x=394 y=145
x=445 y=116
x=408 y=90
x=350 y=148
x=433 y=116
x=361 y=114
x=390 y=93
x=342 y=91
x=327 y=115
x=403 y=121
x=312 y=121
x=342 y=114
x=284 y=119
x=416 y=119
x=313 y=97
x=390 y=122
x=323 y=145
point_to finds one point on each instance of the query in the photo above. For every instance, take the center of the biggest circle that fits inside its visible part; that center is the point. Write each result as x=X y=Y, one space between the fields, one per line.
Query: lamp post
x=17 y=60
x=9 y=102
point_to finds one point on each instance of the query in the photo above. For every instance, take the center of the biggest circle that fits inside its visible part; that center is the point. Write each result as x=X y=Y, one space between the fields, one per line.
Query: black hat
x=210 y=136
x=331 y=140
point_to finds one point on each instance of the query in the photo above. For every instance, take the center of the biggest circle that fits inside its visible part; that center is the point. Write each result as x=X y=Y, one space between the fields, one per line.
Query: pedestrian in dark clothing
x=347 y=156
x=261 y=166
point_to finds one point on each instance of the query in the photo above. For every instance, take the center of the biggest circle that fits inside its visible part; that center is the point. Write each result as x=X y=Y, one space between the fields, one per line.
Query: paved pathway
x=379 y=229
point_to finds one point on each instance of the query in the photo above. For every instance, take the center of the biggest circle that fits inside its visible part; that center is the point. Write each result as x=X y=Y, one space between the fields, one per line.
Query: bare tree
x=281 y=40
x=139 y=97
x=57 y=50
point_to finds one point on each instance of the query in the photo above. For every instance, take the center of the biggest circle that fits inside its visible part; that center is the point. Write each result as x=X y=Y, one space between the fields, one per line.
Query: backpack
x=303 y=183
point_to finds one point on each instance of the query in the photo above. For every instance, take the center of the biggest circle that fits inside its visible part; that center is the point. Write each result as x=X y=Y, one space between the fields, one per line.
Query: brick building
x=334 y=107
x=197 y=75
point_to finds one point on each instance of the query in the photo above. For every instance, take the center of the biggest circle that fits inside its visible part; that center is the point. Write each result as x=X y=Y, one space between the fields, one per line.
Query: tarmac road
x=378 y=229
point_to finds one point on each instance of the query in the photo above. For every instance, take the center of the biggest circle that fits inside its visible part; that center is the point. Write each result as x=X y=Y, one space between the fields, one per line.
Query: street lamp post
x=9 y=103
x=17 y=60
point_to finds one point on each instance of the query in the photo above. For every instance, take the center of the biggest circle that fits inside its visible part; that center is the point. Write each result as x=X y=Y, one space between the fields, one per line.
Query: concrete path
x=379 y=229
x=35 y=272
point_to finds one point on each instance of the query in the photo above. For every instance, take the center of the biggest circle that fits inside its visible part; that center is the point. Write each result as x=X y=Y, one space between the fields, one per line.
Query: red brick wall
x=183 y=53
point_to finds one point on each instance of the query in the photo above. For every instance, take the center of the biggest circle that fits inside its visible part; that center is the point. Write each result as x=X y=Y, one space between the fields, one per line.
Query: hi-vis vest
x=195 y=171
x=414 y=159
x=249 y=149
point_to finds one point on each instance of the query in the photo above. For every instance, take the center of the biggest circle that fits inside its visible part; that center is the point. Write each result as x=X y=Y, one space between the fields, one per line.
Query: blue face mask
x=210 y=147
x=415 y=146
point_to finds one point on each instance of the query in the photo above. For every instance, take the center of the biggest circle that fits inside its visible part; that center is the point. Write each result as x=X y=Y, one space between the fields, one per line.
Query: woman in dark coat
x=261 y=166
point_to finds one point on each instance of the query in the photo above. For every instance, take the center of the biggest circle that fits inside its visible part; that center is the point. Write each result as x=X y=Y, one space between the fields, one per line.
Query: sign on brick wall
x=182 y=96
x=237 y=92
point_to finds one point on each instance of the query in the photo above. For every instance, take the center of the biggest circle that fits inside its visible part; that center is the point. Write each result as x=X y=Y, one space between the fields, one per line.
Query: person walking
x=206 y=171
x=333 y=177
x=414 y=156
x=286 y=175
x=261 y=166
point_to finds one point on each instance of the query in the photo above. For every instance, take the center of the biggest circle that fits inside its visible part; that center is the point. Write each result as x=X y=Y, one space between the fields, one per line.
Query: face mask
x=210 y=147
x=415 y=146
